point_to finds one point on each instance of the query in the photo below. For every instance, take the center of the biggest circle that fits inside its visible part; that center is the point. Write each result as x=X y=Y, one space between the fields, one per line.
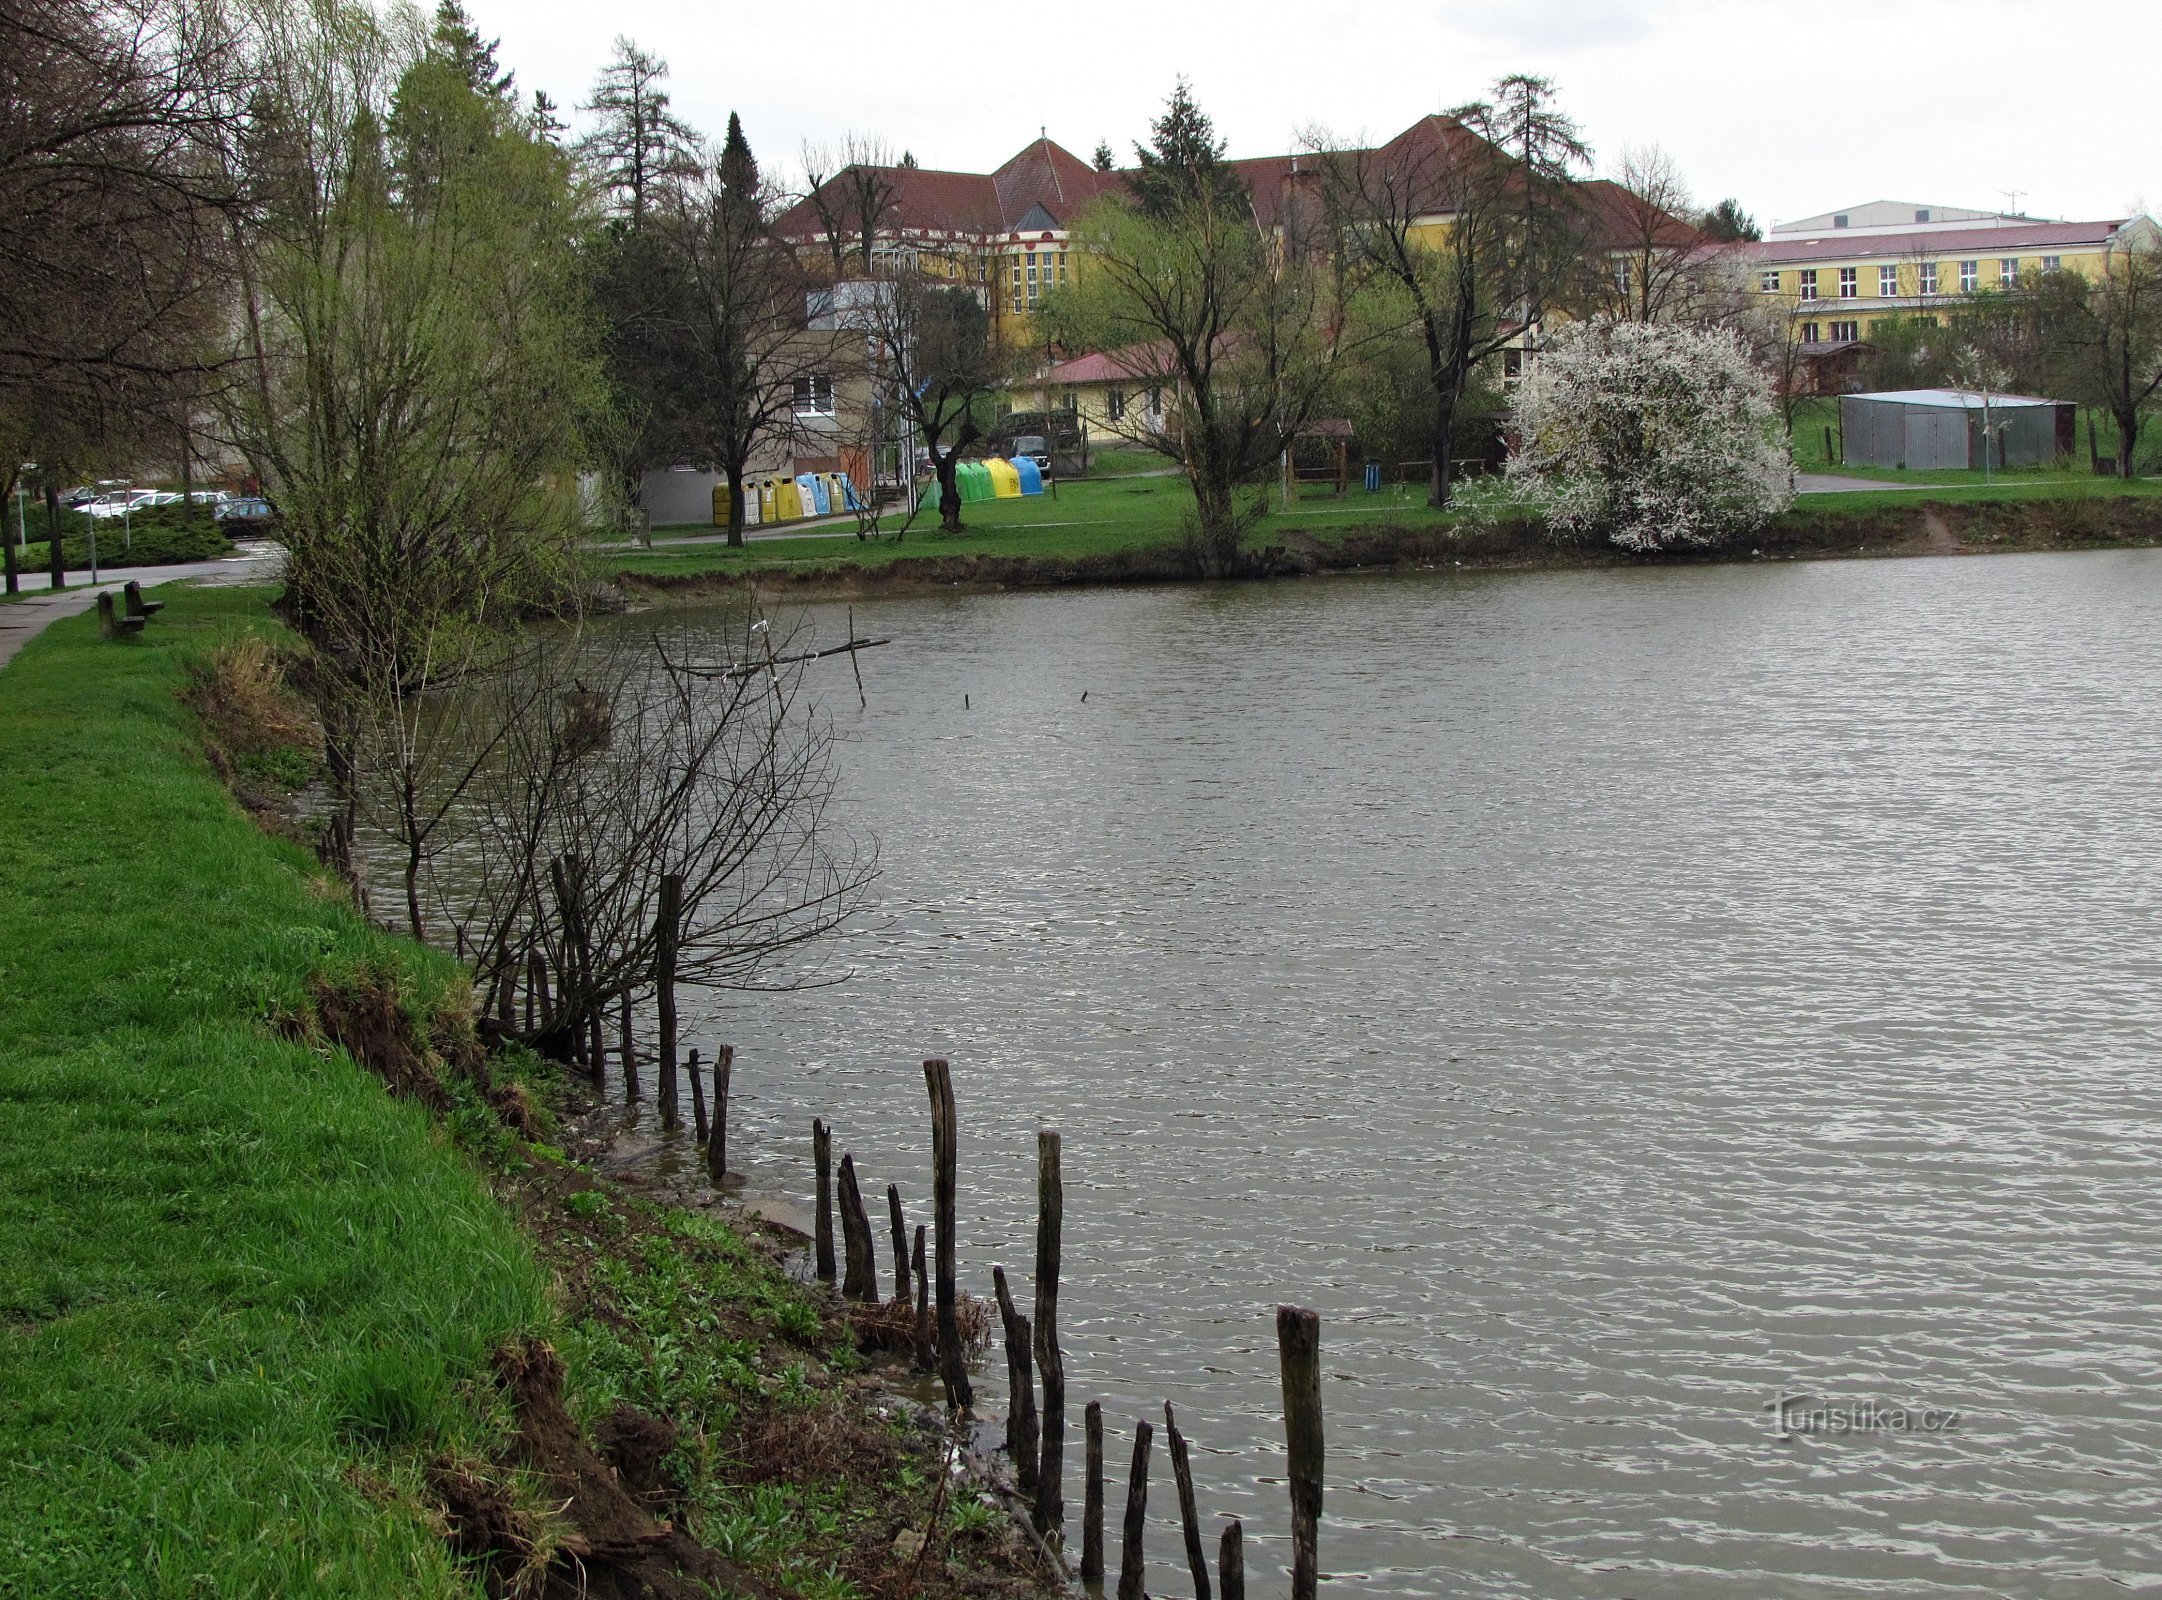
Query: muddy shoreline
x=1911 y=527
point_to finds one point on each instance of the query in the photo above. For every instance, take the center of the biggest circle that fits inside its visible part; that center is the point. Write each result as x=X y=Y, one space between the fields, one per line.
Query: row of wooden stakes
x=1036 y=1432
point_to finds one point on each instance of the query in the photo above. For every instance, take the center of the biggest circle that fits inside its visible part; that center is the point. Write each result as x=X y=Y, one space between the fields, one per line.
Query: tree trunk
x=2127 y=440
x=949 y=489
x=735 y=505
x=1218 y=522
x=54 y=555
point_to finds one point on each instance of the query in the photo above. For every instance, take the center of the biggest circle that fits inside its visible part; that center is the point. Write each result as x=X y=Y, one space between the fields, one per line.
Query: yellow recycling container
x=766 y=511
x=1005 y=479
x=787 y=500
x=720 y=505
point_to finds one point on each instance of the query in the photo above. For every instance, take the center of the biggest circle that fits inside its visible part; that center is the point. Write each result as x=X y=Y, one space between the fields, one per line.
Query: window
x=1768 y=282
x=1512 y=363
x=1809 y=283
x=1156 y=400
x=1840 y=221
x=1073 y=403
x=814 y=394
x=1970 y=276
x=1887 y=282
x=1809 y=333
x=1921 y=213
x=1850 y=282
x=1115 y=404
x=1926 y=277
x=2008 y=272
x=1846 y=331
x=2053 y=263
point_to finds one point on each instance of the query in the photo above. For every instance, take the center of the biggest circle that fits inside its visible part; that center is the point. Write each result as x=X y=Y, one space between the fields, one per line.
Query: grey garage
x=1924 y=429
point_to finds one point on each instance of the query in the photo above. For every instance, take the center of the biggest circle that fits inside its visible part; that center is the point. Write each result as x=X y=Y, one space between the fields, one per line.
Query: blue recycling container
x=1373 y=477
x=1031 y=475
x=817 y=502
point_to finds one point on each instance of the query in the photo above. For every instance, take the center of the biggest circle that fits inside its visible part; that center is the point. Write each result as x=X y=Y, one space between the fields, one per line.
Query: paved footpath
x=22 y=620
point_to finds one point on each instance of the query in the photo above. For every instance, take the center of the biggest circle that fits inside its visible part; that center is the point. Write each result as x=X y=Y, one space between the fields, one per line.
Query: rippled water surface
x=1614 y=1000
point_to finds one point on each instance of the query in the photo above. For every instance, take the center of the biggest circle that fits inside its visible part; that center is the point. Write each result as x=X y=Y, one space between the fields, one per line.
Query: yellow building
x=1842 y=271
x=1007 y=233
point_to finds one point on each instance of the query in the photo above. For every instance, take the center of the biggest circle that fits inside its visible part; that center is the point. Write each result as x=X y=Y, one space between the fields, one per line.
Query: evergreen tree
x=542 y=121
x=457 y=43
x=908 y=159
x=1103 y=158
x=1183 y=166
x=640 y=146
x=1728 y=223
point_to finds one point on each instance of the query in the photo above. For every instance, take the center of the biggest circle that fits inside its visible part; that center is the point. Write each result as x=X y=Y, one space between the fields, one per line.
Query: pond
x=1618 y=1001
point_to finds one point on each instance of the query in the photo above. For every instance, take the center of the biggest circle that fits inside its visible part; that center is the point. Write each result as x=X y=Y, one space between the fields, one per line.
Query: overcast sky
x=1792 y=109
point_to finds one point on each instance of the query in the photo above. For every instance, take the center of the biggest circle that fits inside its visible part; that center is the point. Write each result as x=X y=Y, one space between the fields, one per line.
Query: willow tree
x=1239 y=326
x=420 y=372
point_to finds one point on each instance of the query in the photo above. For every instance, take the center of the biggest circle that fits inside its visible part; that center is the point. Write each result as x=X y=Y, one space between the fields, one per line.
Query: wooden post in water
x=667 y=929
x=900 y=1244
x=1231 y=1562
x=861 y=1280
x=536 y=969
x=1182 y=1473
x=724 y=1069
x=1131 y=1560
x=1298 y=1344
x=822 y=1229
x=1021 y=1387
x=1050 y=1507
x=627 y=1050
x=945 y=1165
x=1092 y=1492
x=698 y=1101
x=926 y=1350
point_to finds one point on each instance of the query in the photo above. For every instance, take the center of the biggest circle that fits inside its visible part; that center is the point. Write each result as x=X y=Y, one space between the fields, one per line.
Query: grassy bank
x=267 y=1330
x=1130 y=531
x=231 y=1265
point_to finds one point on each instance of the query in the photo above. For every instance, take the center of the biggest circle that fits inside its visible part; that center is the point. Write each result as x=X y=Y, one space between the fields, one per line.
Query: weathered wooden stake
x=698 y=1101
x=1020 y=1385
x=1231 y=1562
x=1050 y=1508
x=1092 y=1492
x=900 y=1244
x=926 y=1350
x=822 y=1230
x=1182 y=1473
x=536 y=968
x=861 y=1280
x=1131 y=1561
x=627 y=1049
x=667 y=929
x=724 y=1069
x=1298 y=1344
x=945 y=1164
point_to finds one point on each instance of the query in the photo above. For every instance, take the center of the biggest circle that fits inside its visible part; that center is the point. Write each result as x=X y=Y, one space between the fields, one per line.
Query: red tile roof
x=926 y=202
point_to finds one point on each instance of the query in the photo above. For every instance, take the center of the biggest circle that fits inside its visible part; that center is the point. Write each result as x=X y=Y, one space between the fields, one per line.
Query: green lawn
x=1092 y=516
x=232 y=1270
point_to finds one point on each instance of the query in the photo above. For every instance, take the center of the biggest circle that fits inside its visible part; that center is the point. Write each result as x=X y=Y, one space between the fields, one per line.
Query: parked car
x=113 y=503
x=158 y=497
x=245 y=518
x=210 y=497
x=1032 y=445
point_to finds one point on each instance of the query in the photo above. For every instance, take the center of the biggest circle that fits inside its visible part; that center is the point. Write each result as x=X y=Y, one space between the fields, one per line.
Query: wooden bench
x=137 y=605
x=113 y=624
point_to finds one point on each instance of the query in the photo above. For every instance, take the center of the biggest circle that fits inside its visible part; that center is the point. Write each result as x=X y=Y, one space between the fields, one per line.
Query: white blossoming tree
x=1655 y=436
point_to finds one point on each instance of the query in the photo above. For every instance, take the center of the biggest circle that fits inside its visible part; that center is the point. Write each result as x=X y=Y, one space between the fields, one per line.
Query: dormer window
x=1840 y=221
x=1921 y=213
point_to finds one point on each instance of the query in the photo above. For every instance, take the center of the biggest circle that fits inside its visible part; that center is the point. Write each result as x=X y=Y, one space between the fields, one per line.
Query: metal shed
x=1924 y=429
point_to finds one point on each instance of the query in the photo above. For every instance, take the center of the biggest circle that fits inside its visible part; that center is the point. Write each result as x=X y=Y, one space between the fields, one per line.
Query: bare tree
x=617 y=758
x=851 y=189
x=1470 y=222
x=1240 y=328
x=638 y=147
x=934 y=362
x=746 y=349
x=118 y=120
x=1649 y=265
x=2104 y=337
